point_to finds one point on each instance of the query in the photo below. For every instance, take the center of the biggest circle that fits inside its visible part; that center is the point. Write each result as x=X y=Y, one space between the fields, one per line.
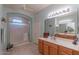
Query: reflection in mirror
x=50 y=26
x=65 y=26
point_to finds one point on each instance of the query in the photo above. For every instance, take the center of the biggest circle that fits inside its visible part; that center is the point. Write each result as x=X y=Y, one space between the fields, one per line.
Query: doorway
x=18 y=30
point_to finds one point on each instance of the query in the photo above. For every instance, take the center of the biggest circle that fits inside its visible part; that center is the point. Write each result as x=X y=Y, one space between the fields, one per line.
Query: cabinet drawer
x=53 y=49
x=64 y=51
x=46 y=43
x=75 y=52
x=53 y=45
x=46 y=49
x=40 y=46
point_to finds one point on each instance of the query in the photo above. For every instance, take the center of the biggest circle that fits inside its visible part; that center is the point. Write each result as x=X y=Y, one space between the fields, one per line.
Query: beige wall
x=36 y=29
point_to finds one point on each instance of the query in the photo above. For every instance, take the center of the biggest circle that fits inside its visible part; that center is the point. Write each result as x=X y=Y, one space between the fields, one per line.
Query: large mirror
x=66 y=24
x=62 y=24
x=50 y=26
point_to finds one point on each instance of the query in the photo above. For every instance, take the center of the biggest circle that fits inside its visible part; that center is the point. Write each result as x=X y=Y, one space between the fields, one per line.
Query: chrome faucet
x=53 y=37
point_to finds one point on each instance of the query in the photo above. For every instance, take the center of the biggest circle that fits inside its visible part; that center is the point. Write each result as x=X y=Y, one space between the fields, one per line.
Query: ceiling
x=34 y=8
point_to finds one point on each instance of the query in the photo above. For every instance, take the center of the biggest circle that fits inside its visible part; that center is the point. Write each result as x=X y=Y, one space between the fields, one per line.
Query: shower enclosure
x=15 y=30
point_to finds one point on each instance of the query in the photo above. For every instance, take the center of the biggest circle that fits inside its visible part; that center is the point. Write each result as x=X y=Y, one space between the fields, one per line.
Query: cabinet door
x=40 y=46
x=53 y=49
x=64 y=51
x=46 y=48
x=75 y=52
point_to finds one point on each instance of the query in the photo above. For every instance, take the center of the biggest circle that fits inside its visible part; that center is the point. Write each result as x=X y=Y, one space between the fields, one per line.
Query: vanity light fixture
x=59 y=12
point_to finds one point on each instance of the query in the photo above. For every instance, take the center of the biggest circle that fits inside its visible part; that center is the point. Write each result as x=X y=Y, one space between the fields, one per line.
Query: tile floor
x=28 y=48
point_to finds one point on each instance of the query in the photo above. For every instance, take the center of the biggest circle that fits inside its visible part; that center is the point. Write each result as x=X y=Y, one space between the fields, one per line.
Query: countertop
x=66 y=34
x=63 y=42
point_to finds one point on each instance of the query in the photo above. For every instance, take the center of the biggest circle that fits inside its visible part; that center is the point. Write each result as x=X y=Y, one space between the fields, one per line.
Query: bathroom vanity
x=66 y=28
x=57 y=46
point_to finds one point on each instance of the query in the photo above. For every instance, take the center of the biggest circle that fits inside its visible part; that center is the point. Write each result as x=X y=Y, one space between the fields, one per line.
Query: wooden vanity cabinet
x=50 y=48
x=64 y=51
x=46 y=48
x=40 y=46
x=53 y=49
x=75 y=52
